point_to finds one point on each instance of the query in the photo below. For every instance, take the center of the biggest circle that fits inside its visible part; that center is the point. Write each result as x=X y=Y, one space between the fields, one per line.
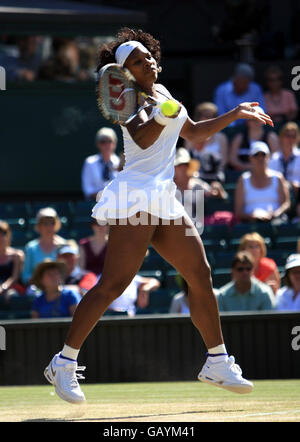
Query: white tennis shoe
x=225 y=374
x=62 y=374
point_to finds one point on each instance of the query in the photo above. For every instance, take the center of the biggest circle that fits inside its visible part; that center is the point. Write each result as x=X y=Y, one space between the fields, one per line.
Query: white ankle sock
x=218 y=353
x=69 y=352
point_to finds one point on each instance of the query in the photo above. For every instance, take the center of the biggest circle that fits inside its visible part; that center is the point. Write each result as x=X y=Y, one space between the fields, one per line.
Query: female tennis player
x=150 y=144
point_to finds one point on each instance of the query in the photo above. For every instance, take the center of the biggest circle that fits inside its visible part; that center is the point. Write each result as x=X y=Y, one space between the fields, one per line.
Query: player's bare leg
x=186 y=253
x=126 y=249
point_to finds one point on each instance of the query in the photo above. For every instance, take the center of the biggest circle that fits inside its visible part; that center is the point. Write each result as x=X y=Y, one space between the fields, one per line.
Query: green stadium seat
x=20 y=303
x=151 y=274
x=14 y=211
x=231 y=176
x=20 y=238
x=170 y=280
x=279 y=256
x=79 y=229
x=286 y=243
x=212 y=205
x=221 y=277
x=223 y=259
x=82 y=211
x=153 y=261
x=239 y=230
x=159 y=302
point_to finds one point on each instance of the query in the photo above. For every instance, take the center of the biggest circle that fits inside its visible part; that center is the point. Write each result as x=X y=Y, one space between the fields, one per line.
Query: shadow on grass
x=111 y=419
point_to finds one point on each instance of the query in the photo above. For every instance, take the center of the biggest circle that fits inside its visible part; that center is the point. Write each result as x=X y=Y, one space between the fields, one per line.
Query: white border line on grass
x=262 y=414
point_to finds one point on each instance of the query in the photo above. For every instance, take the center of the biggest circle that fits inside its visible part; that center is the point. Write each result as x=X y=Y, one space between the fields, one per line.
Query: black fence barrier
x=152 y=348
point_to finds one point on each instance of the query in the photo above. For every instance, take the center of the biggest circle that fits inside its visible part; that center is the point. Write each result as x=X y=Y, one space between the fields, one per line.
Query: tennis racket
x=118 y=95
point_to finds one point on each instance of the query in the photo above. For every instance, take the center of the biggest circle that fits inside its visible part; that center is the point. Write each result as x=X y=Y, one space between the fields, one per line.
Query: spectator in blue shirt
x=54 y=300
x=238 y=89
x=46 y=245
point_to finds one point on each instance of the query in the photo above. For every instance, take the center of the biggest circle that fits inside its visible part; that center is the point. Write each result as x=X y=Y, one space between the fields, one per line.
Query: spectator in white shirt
x=287 y=160
x=135 y=295
x=288 y=297
x=99 y=169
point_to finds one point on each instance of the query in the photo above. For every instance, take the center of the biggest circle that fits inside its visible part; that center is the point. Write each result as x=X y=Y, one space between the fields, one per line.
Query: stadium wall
x=153 y=348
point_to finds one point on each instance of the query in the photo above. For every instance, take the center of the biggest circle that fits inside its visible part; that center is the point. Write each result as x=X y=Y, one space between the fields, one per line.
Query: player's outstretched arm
x=199 y=131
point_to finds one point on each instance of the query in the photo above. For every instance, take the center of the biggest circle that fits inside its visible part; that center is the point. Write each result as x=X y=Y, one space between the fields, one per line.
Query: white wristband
x=160 y=118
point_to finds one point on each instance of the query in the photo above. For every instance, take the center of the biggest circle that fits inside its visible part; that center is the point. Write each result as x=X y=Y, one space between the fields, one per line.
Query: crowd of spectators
x=29 y=58
x=265 y=164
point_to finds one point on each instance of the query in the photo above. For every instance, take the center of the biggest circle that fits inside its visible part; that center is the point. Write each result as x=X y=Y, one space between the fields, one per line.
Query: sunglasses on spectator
x=259 y=154
x=288 y=135
x=47 y=222
x=243 y=269
x=105 y=140
x=274 y=79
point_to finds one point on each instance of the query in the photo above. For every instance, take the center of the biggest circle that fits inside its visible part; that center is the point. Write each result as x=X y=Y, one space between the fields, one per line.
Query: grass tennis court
x=272 y=400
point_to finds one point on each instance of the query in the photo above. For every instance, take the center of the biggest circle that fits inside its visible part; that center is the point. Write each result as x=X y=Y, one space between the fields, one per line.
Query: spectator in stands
x=64 y=63
x=288 y=297
x=135 y=296
x=238 y=89
x=54 y=300
x=211 y=153
x=180 y=301
x=11 y=262
x=281 y=104
x=261 y=194
x=244 y=292
x=46 y=246
x=265 y=269
x=99 y=169
x=24 y=66
x=241 y=142
x=185 y=180
x=287 y=159
x=92 y=249
x=76 y=277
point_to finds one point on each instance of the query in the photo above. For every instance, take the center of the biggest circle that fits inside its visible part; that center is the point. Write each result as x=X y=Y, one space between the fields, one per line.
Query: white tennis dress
x=146 y=181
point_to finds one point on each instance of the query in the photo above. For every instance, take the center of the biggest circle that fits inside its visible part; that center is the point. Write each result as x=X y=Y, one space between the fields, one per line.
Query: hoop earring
x=159 y=69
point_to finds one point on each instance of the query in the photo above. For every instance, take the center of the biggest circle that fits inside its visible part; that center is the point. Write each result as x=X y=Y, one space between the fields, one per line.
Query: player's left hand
x=249 y=111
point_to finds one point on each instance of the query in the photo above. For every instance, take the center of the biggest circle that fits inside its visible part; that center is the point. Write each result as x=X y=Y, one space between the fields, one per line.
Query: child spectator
x=54 y=300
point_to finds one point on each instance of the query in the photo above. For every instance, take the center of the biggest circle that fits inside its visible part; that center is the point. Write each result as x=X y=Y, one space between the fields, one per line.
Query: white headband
x=125 y=49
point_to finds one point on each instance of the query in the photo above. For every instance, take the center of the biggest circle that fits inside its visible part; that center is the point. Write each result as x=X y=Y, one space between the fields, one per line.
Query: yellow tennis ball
x=169 y=108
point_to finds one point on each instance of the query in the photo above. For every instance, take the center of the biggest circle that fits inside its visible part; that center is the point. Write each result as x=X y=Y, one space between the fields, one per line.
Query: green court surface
x=270 y=401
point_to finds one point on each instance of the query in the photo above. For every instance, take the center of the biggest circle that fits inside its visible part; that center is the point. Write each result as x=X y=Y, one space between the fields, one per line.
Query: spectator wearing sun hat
x=288 y=297
x=55 y=300
x=99 y=169
x=46 y=245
